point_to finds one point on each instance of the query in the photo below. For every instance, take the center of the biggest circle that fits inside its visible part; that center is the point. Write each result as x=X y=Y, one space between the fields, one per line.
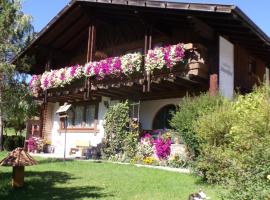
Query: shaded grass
x=54 y=179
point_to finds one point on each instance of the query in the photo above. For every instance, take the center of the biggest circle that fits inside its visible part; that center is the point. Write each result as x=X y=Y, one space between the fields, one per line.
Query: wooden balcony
x=188 y=77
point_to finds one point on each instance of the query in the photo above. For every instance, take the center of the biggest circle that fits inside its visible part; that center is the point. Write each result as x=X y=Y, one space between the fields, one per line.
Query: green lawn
x=53 y=179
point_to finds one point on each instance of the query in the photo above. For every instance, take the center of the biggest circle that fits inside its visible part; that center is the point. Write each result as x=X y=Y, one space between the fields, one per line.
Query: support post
x=213 y=85
x=214 y=68
x=147 y=46
x=91 y=45
x=18 y=176
x=65 y=142
x=47 y=68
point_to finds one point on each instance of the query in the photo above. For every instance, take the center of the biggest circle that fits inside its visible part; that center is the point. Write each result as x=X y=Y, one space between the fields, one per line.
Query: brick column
x=47 y=121
x=213 y=85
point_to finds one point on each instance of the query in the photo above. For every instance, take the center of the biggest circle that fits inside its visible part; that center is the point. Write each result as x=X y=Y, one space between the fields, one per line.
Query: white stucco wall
x=149 y=109
x=72 y=139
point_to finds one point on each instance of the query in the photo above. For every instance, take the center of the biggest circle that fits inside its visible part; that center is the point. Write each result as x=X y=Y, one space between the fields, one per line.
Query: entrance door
x=163 y=117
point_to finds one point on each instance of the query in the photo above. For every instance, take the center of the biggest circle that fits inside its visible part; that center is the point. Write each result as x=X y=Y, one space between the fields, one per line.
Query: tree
x=19 y=105
x=16 y=32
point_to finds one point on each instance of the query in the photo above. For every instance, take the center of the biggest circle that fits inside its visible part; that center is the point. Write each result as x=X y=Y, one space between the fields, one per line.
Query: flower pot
x=47 y=148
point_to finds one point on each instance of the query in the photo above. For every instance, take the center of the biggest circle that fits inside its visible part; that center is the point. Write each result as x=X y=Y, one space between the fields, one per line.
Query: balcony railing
x=163 y=62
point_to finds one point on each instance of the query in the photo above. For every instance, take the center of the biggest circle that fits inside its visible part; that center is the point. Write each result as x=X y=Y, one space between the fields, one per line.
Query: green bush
x=235 y=146
x=9 y=144
x=251 y=180
x=184 y=120
x=121 y=133
x=131 y=140
x=18 y=141
x=12 y=142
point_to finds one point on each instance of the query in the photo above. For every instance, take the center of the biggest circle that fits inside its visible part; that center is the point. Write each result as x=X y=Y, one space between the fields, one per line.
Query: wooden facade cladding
x=249 y=69
x=88 y=30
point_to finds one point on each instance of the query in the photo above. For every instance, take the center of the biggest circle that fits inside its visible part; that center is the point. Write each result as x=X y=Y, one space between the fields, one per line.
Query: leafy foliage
x=121 y=133
x=145 y=148
x=236 y=145
x=16 y=32
x=19 y=106
x=12 y=142
x=184 y=120
x=131 y=140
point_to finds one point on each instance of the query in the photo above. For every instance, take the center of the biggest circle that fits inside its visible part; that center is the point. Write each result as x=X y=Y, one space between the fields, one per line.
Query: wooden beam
x=202 y=28
x=91 y=46
x=62 y=33
x=91 y=43
x=147 y=46
x=77 y=35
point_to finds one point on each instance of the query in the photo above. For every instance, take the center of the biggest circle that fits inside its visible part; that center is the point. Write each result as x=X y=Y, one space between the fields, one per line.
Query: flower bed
x=126 y=65
x=154 y=151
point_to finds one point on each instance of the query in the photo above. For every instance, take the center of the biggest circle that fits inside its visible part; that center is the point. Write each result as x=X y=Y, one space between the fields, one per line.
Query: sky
x=43 y=11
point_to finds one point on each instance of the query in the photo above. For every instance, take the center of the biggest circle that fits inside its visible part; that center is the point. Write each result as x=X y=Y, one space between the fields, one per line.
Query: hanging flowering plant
x=61 y=77
x=127 y=64
x=47 y=80
x=106 y=67
x=164 y=57
x=124 y=65
x=131 y=63
x=66 y=75
x=35 y=83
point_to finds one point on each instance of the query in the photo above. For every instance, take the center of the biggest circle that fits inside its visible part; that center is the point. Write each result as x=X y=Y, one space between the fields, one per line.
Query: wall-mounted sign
x=226 y=68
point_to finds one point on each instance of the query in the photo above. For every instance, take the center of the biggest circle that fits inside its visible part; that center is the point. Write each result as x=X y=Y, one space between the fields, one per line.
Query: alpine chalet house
x=95 y=53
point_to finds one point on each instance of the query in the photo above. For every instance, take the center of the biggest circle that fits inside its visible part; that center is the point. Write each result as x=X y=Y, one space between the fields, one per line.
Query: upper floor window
x=252 y=66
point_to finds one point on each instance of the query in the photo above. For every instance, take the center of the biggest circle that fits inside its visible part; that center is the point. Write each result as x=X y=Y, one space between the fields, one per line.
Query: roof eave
x=248 y=22
x=218 y=8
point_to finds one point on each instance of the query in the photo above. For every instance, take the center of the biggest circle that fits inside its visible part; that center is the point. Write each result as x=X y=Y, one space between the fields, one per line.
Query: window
x=163 y=117
x=82 y=116
x=252 y=66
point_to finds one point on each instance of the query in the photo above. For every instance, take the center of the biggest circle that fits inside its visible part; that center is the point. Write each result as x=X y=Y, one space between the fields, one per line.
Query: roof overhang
x=227 y=20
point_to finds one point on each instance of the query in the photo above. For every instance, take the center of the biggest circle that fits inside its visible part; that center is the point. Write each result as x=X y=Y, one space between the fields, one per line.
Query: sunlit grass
x=54 y=179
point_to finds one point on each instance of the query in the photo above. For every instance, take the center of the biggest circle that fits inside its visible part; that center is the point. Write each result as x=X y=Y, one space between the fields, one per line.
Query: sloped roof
x=18 y=158
x=226 y=20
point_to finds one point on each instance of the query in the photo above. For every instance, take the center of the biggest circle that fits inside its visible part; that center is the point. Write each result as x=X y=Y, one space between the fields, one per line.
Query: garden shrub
x=235 y=146
x=131 y=140
x=12 y=142
x=252 y=181
x=145 y=148
x=8 y=144
x=184 y=120
x=178 y=161
x=18 y=141
x=121 y=133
